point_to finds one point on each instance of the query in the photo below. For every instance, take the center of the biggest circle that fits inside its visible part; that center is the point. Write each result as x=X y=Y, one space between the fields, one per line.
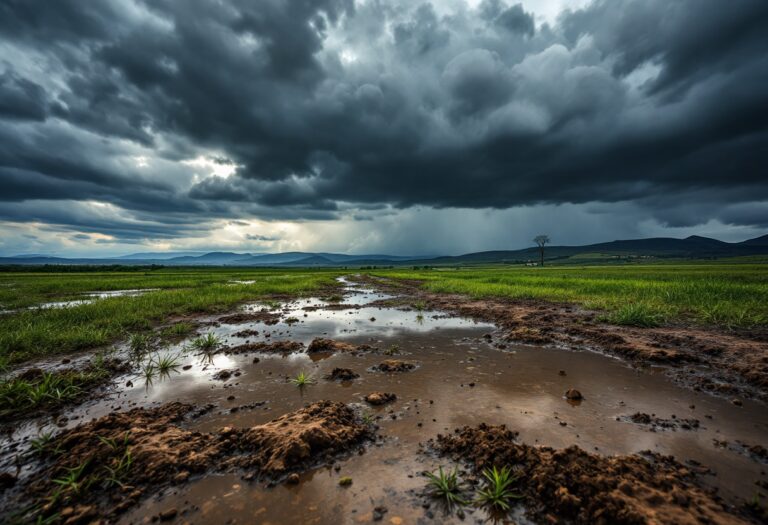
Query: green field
x=719 y=294
x=711 y=294
x=29 y=332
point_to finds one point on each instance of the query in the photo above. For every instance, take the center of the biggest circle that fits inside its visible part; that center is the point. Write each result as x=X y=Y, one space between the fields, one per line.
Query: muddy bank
x=36 y=392
x=573 y=486
x=109 y=464
x=730 y=364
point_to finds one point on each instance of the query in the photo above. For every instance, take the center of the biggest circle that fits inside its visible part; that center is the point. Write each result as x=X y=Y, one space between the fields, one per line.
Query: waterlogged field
x=57 y=313
x=328 y=396
x=722 y=295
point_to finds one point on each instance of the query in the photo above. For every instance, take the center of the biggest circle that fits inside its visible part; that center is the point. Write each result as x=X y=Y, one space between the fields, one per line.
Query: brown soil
x=380 y=398
x=277 y=347
x=165 y=453
x=342 y=374
x=246 y=333
x=320 y=345
x=265 y=317
x=721 y=362
x=394 y=365
x=656 y=423
x=573 y=486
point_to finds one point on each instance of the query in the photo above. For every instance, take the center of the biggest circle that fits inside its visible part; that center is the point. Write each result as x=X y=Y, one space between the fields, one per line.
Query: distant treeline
x=78 y=268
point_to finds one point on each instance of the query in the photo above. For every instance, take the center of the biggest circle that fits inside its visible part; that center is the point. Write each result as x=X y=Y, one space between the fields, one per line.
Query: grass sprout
x=302 y=379
x=496 y=493
x=445 y=486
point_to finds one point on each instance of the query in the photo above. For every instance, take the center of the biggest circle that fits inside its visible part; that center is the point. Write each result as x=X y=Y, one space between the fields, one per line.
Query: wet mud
x=228 y=436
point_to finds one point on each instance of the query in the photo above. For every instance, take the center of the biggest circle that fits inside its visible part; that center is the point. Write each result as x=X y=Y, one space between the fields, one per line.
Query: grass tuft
x=496 y=493
x=445 y=486
x=302 y=379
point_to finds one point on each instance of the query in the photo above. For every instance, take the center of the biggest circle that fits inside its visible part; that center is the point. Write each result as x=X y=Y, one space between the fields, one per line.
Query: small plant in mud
x=73 y=483
x=207 y=343
x=119 y=469
x=43 y=443
x=368 y=418
x=140 y=344
x=272 y=304
x=419 y=306
x=291 y=320
x=496 y=493
x=445 y=486
x=392 y=350
x=302 y=379
x=420 y=318
x=167 y=363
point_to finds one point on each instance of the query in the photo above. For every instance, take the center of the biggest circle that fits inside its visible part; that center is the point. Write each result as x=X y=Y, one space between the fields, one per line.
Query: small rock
x=293 y=479
x=378 y=513
x=737 y=402
x=345 y=481
x=573 y=394
x=169 y=514
x=561 y=372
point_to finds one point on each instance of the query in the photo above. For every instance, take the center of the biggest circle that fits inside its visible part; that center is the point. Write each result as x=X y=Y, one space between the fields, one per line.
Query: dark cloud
x=325 y=106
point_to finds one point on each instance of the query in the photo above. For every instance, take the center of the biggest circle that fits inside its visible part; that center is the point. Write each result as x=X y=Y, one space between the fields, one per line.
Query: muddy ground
x=228 y=437
x=727 y=363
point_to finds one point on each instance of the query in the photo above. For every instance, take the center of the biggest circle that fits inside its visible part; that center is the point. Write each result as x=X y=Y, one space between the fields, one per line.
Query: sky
x=373 y=126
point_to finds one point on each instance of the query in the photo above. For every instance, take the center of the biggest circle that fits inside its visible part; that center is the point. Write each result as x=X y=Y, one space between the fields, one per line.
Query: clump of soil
x=394 y=365
x=756 y=453
x=380 y=398
x=657 y=423
x=225 y=375
x=276 y=347
x=573 y=486
x=329 y=346
x=162 y=453
x=248 y=332
x=263 y=316
x=342 y=374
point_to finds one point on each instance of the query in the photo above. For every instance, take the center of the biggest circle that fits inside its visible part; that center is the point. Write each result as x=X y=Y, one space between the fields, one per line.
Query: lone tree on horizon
x=540 y=241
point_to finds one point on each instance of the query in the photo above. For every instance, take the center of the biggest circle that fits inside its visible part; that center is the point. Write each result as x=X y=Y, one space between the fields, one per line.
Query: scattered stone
x=573 y=395
x=380 y=398
x=169 y=514
x=293 y=479
x=346 y=481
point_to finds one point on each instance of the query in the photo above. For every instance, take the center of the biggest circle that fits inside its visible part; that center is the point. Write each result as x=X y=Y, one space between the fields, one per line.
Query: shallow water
x=519 y=386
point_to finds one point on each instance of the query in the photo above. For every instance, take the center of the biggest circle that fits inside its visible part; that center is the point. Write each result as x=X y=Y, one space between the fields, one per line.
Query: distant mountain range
x=659 y=247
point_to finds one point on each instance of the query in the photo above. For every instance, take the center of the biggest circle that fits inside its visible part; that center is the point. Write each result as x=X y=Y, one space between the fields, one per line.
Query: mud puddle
x=459 y=379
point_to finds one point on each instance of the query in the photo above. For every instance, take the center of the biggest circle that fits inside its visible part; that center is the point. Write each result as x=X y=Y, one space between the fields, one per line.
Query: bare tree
x=540 y=241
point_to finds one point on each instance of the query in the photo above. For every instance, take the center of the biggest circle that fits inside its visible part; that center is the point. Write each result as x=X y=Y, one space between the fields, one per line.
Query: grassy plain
x=715 y=294
x=712 y=294
x=28 y=331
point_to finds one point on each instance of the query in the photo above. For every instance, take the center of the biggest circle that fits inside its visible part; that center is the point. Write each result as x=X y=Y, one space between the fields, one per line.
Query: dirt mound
x=573 y=486
x=380 y=398
x=276 y=347
x=115 y=460
x=656 y=423
x=329 y=346
x=342 y=374
x=394 y=365
x=267 y=318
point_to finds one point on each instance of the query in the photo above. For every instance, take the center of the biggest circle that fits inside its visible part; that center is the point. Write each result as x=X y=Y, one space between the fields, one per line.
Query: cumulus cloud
x=319 y=111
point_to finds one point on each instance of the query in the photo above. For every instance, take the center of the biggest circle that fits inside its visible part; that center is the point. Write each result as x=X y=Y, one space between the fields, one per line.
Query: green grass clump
x=176 y=330
x=19 y=395
x=302 y=379
x=140 y=344
x=445 y=486
x=496 y=493
x=206 y=344
x=638 y=314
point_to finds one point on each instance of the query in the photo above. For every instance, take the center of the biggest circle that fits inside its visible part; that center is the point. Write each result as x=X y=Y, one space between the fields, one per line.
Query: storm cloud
x=156 y=119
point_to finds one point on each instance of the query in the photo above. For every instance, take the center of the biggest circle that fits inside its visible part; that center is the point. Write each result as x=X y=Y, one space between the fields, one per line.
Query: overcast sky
x=367 y=126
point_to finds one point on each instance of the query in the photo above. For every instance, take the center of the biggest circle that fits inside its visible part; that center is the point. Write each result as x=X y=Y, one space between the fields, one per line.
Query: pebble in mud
x=573 y=395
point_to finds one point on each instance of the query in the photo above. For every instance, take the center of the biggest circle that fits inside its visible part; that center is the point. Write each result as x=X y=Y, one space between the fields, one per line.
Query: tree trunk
x=541 y=249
